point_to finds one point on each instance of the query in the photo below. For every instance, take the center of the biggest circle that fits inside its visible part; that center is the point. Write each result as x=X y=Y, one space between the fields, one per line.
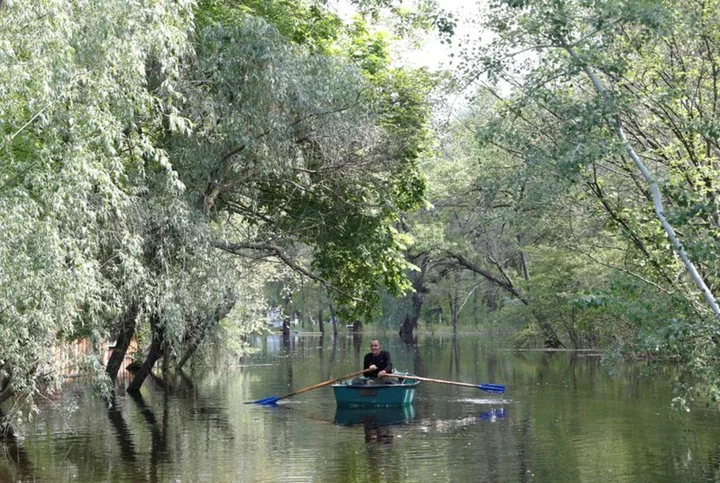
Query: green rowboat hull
x=349 y=395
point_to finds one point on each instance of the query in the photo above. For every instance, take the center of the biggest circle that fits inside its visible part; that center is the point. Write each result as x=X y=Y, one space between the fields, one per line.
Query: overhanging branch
x=506 y=285
x=276 y=251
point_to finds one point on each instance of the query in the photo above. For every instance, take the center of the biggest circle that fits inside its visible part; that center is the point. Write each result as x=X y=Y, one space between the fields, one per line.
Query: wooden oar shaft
x=310 y=388
x=427 y=379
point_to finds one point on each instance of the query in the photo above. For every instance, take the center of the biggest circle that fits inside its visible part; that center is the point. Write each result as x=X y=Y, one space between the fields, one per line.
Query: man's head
x=375 y=347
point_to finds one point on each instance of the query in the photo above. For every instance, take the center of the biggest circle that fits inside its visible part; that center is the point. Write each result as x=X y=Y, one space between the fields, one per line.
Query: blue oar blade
x=265 y=401
x=496 y=388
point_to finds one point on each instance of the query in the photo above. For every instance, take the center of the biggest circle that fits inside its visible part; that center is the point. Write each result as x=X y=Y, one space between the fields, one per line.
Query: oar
x=497 y=388
x=273 y=399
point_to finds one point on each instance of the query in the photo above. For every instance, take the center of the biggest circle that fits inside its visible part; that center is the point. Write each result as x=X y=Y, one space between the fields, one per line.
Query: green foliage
x=311 y=162
x=656 y=64
x=409 y=17
x=76 y=110
x=303 y=23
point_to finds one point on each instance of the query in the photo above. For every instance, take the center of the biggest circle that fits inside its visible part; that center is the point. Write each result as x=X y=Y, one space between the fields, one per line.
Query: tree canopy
x=173 y=170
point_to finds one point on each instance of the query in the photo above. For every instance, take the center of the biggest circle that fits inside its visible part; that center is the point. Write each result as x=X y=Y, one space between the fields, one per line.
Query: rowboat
x=368 y=392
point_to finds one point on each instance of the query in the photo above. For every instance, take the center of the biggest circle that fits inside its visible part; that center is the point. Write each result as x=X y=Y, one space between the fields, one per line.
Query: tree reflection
x=203 y=406
x=158 y=449
x=122 y=432
x=15 y=454
x=455 y=357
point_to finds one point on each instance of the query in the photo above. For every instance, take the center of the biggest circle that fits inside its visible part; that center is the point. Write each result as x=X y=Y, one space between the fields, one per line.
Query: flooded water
x=562 y=419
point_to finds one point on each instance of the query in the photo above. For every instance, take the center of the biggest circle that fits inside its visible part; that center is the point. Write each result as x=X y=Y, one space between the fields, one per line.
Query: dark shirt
x=382 y=362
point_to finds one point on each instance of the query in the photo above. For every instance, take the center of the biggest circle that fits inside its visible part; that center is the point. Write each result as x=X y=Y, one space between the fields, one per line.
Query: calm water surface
x=562 y=419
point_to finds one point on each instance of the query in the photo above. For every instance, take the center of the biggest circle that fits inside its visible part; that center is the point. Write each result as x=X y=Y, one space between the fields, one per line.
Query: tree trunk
x=154 y=353
x=410 y=322
x=406 y=329
x=357 y=339
x=166 y=361
x=188 y=354
x=286 y=333
x=321 y=323
x=6 y=391
x=286 y=320
x=217 y=316
x=505 y=284
x=552 y=341
x=334 y=320
x=523 y=259
x=416 y=307
x=126 y=331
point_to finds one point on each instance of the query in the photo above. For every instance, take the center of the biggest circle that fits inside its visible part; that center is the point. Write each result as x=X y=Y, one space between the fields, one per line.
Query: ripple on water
x=484 y=401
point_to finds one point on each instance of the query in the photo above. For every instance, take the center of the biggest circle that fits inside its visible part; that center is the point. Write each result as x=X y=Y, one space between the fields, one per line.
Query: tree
x=604 y=99
x=75 y=107
x=298 y=164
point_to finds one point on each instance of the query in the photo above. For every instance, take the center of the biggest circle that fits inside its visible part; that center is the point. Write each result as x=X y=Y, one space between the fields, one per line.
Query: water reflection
x=377 y=423
x=158 y=447
x=122 y=431
x=492 y=414
x=569 y=421
x=382 y=416
x=455 y=359
x=375 y=434
x=21 y=468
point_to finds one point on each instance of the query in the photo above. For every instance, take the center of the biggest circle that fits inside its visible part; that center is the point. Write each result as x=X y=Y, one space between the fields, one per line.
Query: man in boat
x=380 y=363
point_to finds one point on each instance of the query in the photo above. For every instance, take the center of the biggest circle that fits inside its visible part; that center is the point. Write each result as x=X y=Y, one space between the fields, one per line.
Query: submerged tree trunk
x=286 y=320
x=334 y=320
x=126 y=332
x=550 y=337
x=186 y=357
x=410 y=322
x=286 y=332
x=406 y=329
x=154 y=353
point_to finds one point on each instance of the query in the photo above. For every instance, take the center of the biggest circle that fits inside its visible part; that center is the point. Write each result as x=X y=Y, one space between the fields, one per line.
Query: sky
x=432 y=53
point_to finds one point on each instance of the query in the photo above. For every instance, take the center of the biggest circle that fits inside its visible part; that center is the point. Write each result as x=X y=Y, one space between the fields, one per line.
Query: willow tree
x=77 y=123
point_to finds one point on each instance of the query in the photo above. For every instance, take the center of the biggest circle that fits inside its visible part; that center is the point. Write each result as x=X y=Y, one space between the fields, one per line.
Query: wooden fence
x=70 y=355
